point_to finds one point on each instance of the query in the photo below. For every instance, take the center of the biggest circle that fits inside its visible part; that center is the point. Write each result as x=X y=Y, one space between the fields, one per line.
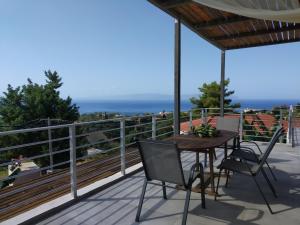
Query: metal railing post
x=50 y=144
x=241 y=125
x=122 y=146
x=280 y=121
x=190 y=120
x=73 y=172
x=153 y=127
x=205 y=116
x=290 y=135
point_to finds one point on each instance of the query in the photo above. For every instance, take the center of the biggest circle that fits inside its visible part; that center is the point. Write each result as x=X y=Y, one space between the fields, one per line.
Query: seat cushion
x=237 y=166
x=246 y=155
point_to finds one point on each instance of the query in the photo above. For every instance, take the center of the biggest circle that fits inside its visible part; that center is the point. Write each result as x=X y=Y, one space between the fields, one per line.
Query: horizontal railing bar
x=28 y=130
x=134 y=134
x=32 y=144
x=36 y=157
x=129 y=144
x=23 y=145
x=90 y=156
x=138 y=125
x=164 y=134
x=93 y=132
x=162 y=121
x=36 y=170
x=96 y=143
x=160 y=128
x=103 y=162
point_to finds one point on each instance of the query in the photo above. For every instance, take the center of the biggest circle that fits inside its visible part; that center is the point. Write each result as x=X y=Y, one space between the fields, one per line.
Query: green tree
x=210 y=96
x=20 y=105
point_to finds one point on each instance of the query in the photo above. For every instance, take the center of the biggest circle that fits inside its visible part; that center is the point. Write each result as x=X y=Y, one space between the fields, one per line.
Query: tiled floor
x=240 y=203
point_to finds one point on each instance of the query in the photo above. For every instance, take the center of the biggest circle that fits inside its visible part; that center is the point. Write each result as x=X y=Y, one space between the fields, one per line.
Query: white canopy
x=277 y=10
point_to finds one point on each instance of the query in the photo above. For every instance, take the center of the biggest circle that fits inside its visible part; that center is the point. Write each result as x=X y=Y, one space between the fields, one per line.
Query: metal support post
x=153 y=127
x=280 y=121
x=222 y=83
x=202 y=116
x=177 y=70
x=73 y=172
x=122 y=146
x=191 y=120
x=205 y=116
x=50 y=145
x=241 y=125
x=290 y=135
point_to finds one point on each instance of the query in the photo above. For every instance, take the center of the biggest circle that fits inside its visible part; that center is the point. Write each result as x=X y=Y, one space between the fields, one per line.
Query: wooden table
x=205 y=145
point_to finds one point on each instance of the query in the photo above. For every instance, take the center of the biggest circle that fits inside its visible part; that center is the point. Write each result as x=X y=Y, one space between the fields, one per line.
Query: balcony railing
x=69 y=157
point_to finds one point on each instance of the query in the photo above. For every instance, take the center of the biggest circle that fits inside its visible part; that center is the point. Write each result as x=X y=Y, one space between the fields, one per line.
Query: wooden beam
x=174 y=3
x=264 y=44
x=256 y=33
x=188 y=25
x=218 y=22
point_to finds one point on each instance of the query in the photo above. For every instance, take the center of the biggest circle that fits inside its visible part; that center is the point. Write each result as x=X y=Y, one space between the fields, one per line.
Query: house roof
x=227 y=30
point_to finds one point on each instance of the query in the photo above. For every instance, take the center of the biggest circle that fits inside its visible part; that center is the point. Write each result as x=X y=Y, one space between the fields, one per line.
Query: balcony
x=240 y=203
x=102 y=159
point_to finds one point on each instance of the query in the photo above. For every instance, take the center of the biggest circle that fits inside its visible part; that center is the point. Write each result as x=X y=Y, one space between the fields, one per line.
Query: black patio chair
x=162 y=163
x=230 y=124
x=249 y=154
x=245 y=167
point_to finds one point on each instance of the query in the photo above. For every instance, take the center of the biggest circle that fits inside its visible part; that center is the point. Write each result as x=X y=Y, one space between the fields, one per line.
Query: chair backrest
x=277 y=134
x=231 y=124
x=161 y=161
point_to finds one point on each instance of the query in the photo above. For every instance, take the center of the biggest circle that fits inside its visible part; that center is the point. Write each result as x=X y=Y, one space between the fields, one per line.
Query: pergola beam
x=175 y=3
x=256 y=33
x=220 y=22
x=265 y=44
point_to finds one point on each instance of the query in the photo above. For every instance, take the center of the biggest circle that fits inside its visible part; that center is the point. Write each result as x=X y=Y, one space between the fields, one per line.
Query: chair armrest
x=192 y=172
x=244 y=149
x=252 y=142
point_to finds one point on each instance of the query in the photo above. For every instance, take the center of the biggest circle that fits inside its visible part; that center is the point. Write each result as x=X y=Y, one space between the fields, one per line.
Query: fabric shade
x=277 y=10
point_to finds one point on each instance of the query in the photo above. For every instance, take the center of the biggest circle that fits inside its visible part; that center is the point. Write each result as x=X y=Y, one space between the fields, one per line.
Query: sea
x=133 y=107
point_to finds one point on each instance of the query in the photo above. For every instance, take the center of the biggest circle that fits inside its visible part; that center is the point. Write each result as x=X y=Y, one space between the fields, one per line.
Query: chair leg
x=205 y=159
x=262 y=194
x=218 y=184
x=164 y=190
x=273 y=175
x=227 y=178
x=137 y=218
x=186 y=206
x=215 y=154
x=269 y=182
x=202 y=191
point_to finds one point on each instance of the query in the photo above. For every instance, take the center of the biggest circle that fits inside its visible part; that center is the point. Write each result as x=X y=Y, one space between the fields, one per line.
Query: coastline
x=132 y=107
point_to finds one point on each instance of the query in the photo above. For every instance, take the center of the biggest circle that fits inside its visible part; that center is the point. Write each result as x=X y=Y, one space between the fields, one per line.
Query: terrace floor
x=240 y=203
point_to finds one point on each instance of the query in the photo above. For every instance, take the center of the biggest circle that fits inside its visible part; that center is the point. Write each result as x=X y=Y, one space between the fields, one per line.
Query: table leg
x=197 y=162
x=225 y=150
x=211 y=168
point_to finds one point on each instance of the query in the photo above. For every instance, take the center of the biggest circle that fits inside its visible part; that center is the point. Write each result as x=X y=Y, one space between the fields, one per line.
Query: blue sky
x=112 y=49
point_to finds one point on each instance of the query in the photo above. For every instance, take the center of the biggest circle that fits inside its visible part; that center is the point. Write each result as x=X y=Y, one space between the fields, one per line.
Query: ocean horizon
x=130 y=107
